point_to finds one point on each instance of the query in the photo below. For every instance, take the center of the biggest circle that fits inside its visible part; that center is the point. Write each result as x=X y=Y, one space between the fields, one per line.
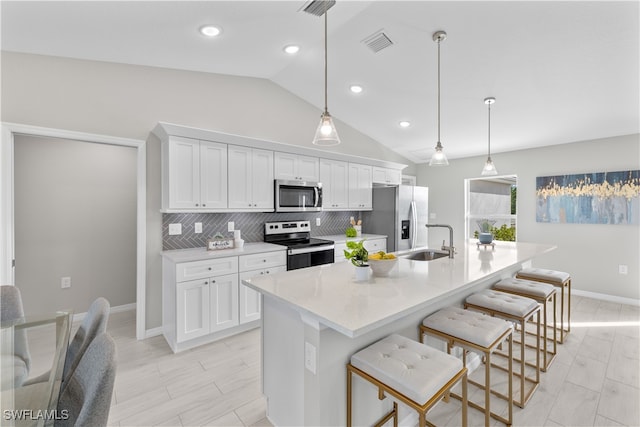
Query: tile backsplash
x=250 y=223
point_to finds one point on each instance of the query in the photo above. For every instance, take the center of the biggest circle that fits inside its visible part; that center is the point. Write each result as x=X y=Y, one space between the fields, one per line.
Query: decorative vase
x=362 y=273
x=485 y=238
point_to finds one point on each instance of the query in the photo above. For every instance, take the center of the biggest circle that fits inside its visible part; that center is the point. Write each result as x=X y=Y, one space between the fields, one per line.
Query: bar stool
x=544 y=294
x=519 y=310
x=473 y=331
x=559 y=279
x=413 y=373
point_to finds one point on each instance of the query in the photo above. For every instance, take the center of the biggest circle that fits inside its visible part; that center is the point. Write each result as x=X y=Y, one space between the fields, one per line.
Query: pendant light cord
x=489 y=133
x=326 y=108
x=438 y=90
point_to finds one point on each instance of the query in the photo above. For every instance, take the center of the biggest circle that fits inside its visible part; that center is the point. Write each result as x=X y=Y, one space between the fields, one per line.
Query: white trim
x=78 y=317
x=154 y=332
x=605 y=297
x=7 y=247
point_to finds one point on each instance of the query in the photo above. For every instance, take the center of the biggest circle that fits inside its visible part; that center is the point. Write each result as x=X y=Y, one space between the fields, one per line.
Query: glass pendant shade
x=489 y=168
x=326 y=134
x=439 y=158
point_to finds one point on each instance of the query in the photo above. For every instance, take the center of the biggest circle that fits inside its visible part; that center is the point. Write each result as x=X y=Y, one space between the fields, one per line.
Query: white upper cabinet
x=360 y=187
x=294 y=167
x=386 y=176
x=194 y=174
x=334 y=176
x=250 y=178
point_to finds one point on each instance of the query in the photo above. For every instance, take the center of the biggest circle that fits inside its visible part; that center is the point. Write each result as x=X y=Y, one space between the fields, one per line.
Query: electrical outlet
x=198 y=227
x=175 y=229
x=231 y=226
x=65 y=282
x=623 y=269
x=310 y=357
x=318 y=222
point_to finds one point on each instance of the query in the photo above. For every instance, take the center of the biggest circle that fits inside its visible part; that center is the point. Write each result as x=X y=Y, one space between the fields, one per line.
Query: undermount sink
x=426 y=255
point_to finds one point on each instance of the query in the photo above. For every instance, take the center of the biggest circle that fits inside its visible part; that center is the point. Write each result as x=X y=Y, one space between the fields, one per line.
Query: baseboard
x=154 y=332
x=117 y=309
x=605 y=297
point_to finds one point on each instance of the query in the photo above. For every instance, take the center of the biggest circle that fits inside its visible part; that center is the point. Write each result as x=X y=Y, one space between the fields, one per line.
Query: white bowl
x=382 y=267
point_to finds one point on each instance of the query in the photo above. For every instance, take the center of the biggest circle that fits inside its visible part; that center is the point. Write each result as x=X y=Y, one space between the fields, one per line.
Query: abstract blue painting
x=589 y=198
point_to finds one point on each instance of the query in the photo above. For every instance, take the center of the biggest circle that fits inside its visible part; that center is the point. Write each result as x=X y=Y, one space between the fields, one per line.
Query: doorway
x=10 y=132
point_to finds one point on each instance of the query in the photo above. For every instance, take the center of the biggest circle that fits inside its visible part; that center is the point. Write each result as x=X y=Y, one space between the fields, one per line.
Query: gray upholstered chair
x=11 y=309
x=93 y=324
x=87 y=395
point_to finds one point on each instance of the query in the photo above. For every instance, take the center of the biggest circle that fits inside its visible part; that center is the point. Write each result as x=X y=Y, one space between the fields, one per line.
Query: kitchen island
x=314 y=319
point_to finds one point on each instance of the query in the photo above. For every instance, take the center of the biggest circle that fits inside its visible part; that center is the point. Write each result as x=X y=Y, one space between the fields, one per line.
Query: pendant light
x=489 y=167
x=439 y=158
x=326 y=134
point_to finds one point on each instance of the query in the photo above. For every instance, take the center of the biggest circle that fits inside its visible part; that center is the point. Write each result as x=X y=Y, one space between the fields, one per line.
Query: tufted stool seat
x=519 y=310
x=414 y=373
x=544 y=294
x=556 y=278
x=473 y=331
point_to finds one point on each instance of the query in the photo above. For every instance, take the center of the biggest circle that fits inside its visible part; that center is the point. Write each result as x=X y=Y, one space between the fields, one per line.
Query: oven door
x=298 y=196
x=308 y=257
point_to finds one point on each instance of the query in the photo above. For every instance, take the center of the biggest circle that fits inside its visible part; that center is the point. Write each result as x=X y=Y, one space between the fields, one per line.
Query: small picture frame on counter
x=219 y=242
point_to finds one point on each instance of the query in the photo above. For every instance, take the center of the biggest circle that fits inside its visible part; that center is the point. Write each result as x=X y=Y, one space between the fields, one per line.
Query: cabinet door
x=250 y=308
x=286 y=166
x=360 y=187
x=338 y=252
x=309 y=168
x=334 y=176
x=184 y=173
x=240 y=177
x=262 y=261
x=262 y=179
x=193 y=310
x=213 y=175
x=224 y=302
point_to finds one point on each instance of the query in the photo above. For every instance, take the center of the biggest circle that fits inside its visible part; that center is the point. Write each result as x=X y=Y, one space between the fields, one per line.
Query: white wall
x=590 y=252
x=75 y=216
x=128 y=101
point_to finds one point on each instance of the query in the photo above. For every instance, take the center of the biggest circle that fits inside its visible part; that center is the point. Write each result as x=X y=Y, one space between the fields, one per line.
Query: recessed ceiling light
x=404 y=124
x=356 y=88
x=291 y=49
x=210 y=30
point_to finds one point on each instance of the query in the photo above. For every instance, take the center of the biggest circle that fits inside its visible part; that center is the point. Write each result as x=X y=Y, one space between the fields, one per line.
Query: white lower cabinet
x=375 y=245
x=203 y=300
x=192 y=309
x=255 y=265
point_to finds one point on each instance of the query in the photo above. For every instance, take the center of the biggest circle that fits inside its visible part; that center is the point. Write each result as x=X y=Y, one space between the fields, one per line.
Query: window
x=493 y=199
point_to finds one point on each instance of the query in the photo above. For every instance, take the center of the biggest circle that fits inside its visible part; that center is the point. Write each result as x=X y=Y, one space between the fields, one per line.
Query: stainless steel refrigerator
x=401 y=214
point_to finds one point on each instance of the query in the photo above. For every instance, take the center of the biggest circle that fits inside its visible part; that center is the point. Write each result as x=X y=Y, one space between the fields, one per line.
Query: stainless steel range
x=302 y=249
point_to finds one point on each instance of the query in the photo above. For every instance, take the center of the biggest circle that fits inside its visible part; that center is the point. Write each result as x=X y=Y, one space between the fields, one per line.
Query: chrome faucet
x=450 y=249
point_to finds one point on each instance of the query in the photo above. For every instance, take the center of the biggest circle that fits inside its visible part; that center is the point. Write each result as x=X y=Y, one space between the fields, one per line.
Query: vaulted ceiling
x=560 y=71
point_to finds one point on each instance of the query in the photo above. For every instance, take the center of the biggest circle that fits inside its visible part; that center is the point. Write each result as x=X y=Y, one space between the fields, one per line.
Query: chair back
x=93 y=324
x=11 y=309
x=10 y=303
x=87 y=395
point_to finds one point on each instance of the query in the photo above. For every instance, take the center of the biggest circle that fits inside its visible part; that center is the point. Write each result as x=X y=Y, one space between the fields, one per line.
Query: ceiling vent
x=318 y=7
x=378 y=41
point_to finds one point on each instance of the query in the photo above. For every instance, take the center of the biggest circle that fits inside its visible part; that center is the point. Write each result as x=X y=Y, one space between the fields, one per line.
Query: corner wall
x=128 y=101
x=590 y=252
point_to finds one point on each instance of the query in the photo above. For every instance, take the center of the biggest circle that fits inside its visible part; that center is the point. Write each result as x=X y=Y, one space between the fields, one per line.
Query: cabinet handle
x=267 y=271
x=197 y=204
x=213 y=281
x=206 y=283
x=264 y=260
x=203 y=205
x=210 y=268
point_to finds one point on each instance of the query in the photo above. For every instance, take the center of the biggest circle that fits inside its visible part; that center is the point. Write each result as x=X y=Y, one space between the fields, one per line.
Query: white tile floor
x=593 y=381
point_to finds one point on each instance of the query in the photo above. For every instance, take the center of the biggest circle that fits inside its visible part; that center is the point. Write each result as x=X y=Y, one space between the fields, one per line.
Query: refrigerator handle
x=414 y=224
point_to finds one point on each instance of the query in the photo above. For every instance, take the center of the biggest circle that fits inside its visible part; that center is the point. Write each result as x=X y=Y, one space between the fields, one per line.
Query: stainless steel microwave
x=298 y=196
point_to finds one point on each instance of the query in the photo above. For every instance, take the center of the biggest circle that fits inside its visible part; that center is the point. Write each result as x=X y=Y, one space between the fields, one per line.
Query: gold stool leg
x=348 y=397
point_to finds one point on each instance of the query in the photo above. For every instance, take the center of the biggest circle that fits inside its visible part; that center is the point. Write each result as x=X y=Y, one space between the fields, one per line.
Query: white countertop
x=342 y=238
x=330 y=295
x=199 y=254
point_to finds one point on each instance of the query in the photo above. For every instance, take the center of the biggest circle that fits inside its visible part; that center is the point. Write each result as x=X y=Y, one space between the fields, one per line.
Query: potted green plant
x=358 y=256
x=486 y=226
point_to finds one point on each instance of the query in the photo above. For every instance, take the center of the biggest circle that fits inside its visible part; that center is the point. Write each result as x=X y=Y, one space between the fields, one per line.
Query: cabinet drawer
x=262 y=260
x=207 y=268
x=375 y=245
